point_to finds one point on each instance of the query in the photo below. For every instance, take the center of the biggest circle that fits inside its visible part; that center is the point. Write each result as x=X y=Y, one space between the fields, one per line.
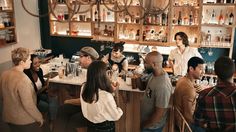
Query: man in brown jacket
x=185 y=92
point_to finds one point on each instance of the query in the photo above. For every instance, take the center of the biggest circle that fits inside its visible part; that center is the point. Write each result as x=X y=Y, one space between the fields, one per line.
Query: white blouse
x=181 y=59
x=105 y=109
x=39 y=84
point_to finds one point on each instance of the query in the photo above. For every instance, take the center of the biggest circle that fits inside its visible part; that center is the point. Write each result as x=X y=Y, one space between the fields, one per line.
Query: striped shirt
x=216 y=108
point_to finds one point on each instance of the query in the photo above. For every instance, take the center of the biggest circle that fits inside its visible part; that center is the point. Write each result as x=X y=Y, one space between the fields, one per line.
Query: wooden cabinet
x=208 y=23
x=7 y=23
x=218 y=24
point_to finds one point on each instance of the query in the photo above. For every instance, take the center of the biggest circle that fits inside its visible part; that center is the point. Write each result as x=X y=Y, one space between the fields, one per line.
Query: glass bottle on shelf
x=144 y=35
x=191 y=18
x=132 y=17
x=231 y=18
x=110 y=16
x=104 y=15
x=206 y=17
x=174 y=21
x=121 y=32
x=96 y=15
x=105 y=31
x=226 y=20
x=221 y=18
x=132 y=34
x=126 y=33
x=179 y=18
x=148 y=19
x=137 y=35
x=208 y=37
x=164 y=19
x=221 y=37
x=110 y=31
x=121 y=18
x=213 y=17
x=196 y=18
x=127 y=18
x=66 y=15
x=176 y=2
x=137 y=18
x=158 y=20
x=185 y=19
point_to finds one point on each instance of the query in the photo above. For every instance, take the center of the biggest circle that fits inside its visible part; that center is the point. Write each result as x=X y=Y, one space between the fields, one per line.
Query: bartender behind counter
x=179 y=56
x=116 y=57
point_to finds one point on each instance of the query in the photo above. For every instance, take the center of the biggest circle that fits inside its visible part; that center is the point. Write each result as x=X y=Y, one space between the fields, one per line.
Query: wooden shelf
x=124 y=23
x=7 y=11
x=185 y=6
x=192 y=26
x=215 y=46
x=218 y=25
x=8 y=33
x=61 y=21
x=81 y=21
x=104 y=22
x=7 y=28
x=7 y=44
x=218 y=4
x=195 y=32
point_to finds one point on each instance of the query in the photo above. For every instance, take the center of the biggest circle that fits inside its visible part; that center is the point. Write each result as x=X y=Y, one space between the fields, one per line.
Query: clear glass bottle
x=191 y=18
x=208 y=37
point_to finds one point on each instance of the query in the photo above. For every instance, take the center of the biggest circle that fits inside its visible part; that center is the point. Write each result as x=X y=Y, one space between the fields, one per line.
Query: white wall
x=27 y=28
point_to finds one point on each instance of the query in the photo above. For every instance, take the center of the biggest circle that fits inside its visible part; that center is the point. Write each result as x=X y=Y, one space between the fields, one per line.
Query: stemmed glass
x=210 y=52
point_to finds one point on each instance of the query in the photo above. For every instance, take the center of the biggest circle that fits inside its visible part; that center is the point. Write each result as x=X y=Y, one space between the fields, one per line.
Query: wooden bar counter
x=128 y=99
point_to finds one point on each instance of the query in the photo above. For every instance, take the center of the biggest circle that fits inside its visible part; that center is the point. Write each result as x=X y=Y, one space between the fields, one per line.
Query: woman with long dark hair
x=98 y=104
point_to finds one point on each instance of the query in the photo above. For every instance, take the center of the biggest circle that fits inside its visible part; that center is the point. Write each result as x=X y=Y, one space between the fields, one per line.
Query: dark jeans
x=69 y=117
x=106 y=126
x=43 y=104
x=34 y=127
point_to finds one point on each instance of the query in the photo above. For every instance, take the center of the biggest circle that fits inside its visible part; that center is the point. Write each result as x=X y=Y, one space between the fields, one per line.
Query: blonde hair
x=19 y=54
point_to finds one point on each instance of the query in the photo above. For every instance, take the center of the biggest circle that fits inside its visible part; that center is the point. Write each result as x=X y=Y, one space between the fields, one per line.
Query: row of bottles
x=217 y=39
x=187 y=19
x=108 y=31
x=5 y=20
x=219 y=1
x=105 y=15
x=7 y=36
x=124 y=17
x=5 y=5
x=129 y=33
x=161 y=19
x=186 y=3
x=152 y=34
x=149 y=34
x=220 y=18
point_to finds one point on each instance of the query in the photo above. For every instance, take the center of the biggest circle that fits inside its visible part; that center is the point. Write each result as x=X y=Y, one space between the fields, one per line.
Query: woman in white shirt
x=179 y=56
x=97 y=102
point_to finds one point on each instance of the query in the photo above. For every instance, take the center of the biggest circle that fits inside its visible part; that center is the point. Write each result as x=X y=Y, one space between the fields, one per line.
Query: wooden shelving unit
x=7 y=24
x=159 y=29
